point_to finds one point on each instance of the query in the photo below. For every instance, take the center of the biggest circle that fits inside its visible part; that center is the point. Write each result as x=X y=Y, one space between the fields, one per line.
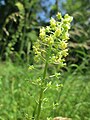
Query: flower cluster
x=52 y=43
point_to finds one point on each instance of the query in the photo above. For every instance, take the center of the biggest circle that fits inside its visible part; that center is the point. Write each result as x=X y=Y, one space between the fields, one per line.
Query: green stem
x=41 y=92
x=45 y=70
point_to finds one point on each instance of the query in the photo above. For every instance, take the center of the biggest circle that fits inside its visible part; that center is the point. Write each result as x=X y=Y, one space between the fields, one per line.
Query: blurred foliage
x=18 y=29
x=18 y=94
x=80 y=38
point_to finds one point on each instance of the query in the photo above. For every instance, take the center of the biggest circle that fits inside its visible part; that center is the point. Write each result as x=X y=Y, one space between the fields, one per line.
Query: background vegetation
x=19 y=26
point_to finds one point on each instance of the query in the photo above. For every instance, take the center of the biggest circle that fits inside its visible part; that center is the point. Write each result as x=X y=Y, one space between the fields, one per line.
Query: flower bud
x=59 y=16
x=57 y=32
x=50 y=40
x=68 y=18
x=42 y=33
x=64 y=52
x=47 y=29
x=63 y=45
x=65 y=36
x=66 y=26
x=53 y=23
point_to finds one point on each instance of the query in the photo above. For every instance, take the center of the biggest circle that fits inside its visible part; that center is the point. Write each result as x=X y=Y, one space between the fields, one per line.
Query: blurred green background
x=20 y=21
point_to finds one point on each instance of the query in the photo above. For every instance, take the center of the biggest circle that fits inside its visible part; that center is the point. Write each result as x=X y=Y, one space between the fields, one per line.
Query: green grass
x=18 y=94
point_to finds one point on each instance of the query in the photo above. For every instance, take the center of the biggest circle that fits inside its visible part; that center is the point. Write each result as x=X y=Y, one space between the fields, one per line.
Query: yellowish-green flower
x=50 y=40
x=68 y=18
x=65 y=36
x=59 y=16
x=48 y=29
x=64 y=52
x=52 y=43
x=42 y=33
x=57 y=32
x=53 y=23
x=63 y=45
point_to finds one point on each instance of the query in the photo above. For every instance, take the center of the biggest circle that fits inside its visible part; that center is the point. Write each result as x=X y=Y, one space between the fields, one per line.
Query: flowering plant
x=51 y=48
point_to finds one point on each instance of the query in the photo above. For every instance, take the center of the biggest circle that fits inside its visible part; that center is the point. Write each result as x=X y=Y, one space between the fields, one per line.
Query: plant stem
x=41 y=92
x=45 y=70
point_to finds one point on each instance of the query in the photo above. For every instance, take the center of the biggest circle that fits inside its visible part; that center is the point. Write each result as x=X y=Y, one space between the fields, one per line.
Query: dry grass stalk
x=61 y=118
